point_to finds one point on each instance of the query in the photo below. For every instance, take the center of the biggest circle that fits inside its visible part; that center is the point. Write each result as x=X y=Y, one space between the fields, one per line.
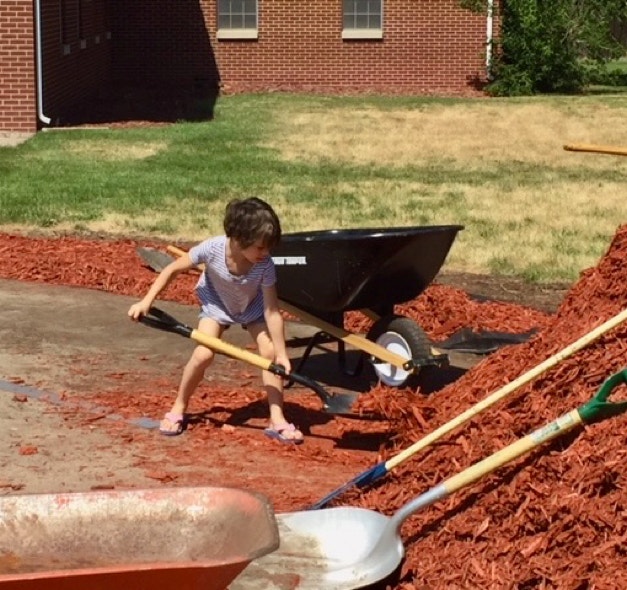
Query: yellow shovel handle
x=516 y=449
x=228 y=349
x=507 y=389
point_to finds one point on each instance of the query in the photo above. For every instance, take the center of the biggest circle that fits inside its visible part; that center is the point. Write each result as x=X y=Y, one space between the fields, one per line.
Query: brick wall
x=18 y=107
x=429 y=46
x=161 y=44
x=76 y=48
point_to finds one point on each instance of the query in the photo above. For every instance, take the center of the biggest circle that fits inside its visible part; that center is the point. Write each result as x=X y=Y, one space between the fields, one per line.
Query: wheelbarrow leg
x=323 y=337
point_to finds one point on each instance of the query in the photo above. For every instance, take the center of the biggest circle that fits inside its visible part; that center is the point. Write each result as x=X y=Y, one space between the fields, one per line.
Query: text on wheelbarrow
x=289 y=260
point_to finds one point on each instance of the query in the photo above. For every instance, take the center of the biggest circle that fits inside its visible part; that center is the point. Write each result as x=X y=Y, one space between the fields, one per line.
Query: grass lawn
x=497 y=166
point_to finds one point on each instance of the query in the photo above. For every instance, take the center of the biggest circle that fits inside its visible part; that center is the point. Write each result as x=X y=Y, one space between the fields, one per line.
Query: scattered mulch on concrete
x=555 y=518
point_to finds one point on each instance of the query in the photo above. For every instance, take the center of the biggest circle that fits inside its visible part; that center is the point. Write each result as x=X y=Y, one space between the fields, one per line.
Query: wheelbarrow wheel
x=405 y=338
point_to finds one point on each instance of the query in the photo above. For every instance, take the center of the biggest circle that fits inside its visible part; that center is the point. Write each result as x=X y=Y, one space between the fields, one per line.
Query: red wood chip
x=28 y=450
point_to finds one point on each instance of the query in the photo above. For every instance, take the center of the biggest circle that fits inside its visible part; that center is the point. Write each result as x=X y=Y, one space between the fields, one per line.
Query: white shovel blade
x=333 y=549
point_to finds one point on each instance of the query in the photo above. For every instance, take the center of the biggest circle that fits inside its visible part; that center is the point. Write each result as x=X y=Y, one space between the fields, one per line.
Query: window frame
x=237 y=32
x=362 y=32
x=65 y=36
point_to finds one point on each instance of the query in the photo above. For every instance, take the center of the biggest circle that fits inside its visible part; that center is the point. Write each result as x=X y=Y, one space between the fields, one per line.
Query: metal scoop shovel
x=345 y=548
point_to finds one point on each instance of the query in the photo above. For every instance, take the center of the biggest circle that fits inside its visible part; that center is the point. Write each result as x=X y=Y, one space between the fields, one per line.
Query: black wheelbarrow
x=323 y=274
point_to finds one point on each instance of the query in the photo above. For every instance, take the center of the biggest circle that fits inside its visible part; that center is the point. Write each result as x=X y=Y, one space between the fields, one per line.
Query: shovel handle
x=507 y=389
x=597 y=409
x=159 y=319
x=599 y=149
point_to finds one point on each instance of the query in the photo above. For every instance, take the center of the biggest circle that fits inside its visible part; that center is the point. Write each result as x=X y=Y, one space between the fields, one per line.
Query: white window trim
x=237 y=34
x=362 y=34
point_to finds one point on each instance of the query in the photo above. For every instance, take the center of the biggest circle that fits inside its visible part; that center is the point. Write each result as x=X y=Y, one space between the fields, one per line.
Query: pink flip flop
x=178 y=420
x=277 y=433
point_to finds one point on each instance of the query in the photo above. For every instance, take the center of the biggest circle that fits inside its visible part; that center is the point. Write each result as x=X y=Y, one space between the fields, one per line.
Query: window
x=237 y=19
x=81 y=24
x=362 y=19
x=65 y=30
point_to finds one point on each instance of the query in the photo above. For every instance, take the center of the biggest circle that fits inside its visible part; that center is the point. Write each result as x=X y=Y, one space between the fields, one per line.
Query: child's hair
x=249 y=220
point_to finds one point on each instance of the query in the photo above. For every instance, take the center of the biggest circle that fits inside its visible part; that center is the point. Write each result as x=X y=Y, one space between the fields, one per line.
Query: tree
x=551 y=45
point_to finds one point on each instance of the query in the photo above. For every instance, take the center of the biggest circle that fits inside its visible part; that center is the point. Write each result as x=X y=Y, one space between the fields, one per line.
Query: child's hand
x=138 y=309
x=284 y=361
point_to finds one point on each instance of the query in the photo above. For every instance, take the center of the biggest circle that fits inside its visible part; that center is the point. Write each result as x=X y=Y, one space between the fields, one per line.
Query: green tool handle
x=597 y=409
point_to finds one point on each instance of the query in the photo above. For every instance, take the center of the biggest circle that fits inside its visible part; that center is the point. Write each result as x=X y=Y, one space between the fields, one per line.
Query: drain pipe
x=489 y=39
x=40 y=84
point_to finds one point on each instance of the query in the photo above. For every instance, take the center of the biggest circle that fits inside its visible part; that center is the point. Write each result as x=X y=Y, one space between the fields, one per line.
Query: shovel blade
x=335 y=549
x=339 y=403
x=154 y=259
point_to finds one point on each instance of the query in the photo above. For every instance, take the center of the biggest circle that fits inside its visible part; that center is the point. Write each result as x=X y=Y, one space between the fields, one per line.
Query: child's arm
x=274 y=321
x=161 y=282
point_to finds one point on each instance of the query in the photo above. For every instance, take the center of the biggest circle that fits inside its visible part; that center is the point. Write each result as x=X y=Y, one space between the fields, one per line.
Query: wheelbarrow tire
x=403 y=336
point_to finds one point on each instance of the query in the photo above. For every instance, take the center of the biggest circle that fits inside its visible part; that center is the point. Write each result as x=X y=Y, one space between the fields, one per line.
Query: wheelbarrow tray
x=179 y=538
x=341 y=270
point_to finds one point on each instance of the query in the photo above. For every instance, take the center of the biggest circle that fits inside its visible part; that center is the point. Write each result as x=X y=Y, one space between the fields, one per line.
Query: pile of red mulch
x=115 y=267
x=555 y=518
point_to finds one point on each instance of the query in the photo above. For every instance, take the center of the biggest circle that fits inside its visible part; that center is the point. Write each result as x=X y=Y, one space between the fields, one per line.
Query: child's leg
x=273 y=384
x=193 y=373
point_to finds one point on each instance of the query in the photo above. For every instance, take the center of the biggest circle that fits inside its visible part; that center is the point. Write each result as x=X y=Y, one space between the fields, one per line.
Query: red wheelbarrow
x=160 y=539
x=323 y=274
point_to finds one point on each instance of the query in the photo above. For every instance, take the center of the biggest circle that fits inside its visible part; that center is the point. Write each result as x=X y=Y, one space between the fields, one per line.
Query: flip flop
x=277 y=433
x=178 y=420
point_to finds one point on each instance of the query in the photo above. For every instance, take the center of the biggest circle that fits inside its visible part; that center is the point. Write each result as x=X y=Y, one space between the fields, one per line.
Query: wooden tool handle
x=178 y=252
x=599 y=149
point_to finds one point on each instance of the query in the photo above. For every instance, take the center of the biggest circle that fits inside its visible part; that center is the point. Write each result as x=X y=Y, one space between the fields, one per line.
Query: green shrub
x=553 y=46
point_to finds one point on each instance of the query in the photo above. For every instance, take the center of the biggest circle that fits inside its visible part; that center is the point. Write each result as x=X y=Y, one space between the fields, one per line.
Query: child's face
x=256 y=252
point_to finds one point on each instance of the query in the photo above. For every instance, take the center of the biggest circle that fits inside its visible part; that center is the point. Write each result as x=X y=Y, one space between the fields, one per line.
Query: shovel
x=345 y=548
x=155 y=259
x=333 y=403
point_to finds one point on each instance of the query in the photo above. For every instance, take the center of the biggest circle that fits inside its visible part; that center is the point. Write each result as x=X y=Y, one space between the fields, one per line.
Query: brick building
x=57 y=54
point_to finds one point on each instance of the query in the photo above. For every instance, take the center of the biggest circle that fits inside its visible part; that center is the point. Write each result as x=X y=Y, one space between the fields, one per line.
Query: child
x=237 y=286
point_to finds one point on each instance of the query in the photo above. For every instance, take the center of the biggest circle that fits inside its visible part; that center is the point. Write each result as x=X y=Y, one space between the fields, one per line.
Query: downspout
x=489 y=35
x=40 y=84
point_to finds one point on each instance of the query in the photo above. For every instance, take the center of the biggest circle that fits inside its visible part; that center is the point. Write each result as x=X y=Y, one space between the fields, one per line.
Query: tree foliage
x=551 y=45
